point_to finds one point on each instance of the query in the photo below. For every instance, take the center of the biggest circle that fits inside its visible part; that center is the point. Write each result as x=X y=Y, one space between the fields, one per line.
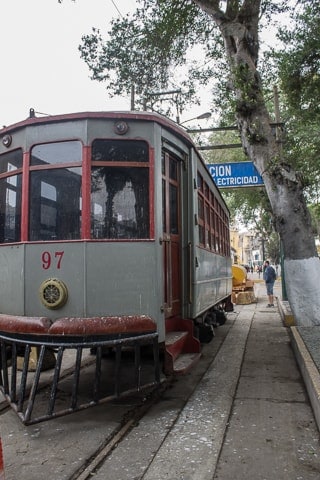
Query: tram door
x=171 y=234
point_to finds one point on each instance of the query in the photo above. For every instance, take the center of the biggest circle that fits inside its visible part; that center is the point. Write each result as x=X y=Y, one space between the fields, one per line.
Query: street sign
x=235 y=175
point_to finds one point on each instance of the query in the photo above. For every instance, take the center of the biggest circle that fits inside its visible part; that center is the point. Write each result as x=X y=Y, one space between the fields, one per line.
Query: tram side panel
x=212 y=280
x=102 y=278
x=124 y=279
x=12 y=279
x=54 y=262
x=211 y=270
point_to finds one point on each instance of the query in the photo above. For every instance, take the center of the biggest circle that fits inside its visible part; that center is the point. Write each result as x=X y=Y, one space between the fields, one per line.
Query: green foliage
x=145 y=50
x=251 y=208
x=297 y=68
x=299 y=63
x=299 y=73
x=272 y=246
x=149 y=48
x=315 y=215
x=225 y=155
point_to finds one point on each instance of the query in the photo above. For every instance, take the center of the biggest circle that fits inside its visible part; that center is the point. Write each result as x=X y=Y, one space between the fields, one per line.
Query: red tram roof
x=134 y=115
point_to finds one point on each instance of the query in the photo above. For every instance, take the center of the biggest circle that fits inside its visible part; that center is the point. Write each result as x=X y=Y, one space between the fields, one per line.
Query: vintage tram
x=111 y=216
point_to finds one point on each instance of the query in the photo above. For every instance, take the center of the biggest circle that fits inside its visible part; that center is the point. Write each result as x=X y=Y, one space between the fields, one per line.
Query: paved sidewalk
x=250 y=417
x=272 y=433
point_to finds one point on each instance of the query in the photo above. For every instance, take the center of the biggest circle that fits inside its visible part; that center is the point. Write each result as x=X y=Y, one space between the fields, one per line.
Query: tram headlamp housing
x=7 y=140
x=121 y=127
x=53 y=293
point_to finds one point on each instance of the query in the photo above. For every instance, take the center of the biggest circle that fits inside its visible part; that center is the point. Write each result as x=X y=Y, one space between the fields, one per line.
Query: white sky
x=41 y=65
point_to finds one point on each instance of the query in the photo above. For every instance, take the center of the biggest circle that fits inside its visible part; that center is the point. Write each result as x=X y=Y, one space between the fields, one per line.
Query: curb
x=1 y=462
x=286 y=313
x=308 y=370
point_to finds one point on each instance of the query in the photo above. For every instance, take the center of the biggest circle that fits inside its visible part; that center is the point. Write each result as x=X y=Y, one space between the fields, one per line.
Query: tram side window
x=10 y=196
x=212 y=221
x=55 y=193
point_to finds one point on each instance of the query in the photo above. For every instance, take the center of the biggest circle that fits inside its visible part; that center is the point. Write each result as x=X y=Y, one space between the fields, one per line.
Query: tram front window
x=55 y=204
x=119 y=202
x=120 y=189
x=10 y=196
x=10 y=209
x=55 y=191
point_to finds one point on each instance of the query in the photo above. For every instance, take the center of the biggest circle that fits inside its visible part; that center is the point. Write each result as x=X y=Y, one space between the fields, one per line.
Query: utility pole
x=279 y=140
x=132 y=96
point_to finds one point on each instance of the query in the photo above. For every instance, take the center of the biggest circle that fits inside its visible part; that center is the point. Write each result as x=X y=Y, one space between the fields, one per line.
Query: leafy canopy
x=149 y=49
x=298 y=65
x=143 y=50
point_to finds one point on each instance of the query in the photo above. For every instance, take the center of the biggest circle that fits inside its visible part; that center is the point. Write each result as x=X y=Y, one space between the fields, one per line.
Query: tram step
x=180 y=342
x=182 y=349
x=185 y=362
x=175 y=342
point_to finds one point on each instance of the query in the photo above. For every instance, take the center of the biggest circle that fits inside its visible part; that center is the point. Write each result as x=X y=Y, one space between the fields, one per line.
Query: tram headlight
x=121 y=127
x=6 y=140
x=53 y=293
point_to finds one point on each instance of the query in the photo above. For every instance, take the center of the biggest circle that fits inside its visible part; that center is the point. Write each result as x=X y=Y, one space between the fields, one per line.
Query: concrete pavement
x=272 y=433
x=250 y=417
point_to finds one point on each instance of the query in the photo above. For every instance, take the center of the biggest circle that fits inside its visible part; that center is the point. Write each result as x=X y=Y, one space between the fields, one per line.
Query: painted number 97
x=50 y=259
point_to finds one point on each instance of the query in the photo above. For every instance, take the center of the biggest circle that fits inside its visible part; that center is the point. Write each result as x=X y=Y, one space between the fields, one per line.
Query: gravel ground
x=311 y=338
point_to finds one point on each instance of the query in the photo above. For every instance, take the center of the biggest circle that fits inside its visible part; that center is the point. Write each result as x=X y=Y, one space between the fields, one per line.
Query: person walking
x=269 y=276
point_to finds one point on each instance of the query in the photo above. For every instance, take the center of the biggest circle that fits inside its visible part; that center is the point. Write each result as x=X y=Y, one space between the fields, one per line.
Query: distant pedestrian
x=259 y=268
x=269 y=276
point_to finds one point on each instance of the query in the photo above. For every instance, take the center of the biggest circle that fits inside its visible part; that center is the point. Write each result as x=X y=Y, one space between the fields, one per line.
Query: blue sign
x=233 y=175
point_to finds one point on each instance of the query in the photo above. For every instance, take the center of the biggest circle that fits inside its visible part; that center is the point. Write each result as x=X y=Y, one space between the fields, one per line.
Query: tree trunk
x=239 y=28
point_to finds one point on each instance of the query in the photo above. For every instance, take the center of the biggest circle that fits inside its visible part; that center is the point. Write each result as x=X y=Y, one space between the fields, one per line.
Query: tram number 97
x=51 y=259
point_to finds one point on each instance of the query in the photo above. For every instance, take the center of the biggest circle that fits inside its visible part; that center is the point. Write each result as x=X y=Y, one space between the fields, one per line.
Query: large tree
x=298 y=68
x=155 y=39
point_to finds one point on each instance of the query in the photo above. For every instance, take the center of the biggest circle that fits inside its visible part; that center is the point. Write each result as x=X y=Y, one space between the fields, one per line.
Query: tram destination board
x=235 y=175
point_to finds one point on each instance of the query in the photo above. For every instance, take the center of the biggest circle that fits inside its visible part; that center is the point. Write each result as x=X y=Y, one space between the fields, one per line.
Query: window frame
x=212 y=220
x=149 y=164
x=18 y=190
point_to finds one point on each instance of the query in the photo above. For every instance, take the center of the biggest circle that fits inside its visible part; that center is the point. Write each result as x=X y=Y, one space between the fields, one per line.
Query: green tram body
x=109 y=214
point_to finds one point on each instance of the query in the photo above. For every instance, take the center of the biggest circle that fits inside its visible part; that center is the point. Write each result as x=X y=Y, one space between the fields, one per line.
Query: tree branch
x=211 y=7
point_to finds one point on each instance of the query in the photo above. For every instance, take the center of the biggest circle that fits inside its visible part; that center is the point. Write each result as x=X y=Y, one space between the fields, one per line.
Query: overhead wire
x=116 y=7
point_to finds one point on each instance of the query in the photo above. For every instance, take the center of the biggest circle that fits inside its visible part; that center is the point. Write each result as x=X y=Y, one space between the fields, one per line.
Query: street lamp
x=199 y=117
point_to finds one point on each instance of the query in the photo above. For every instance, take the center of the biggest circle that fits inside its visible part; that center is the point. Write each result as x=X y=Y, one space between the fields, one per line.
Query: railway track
x=128 y=453
x=122 y=437
x=130 y=421
x=135 y=443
